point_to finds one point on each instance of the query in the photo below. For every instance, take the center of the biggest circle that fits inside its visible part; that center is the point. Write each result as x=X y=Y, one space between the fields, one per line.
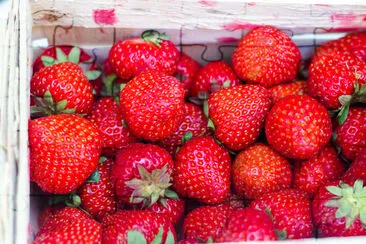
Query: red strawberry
x=172 y=208
x=64 y=151
x=152 y=51
x=137 y=226
x=266 y=56
x=317 y=171
x=357 y=170
x=62 y=88
x=47 y=213
x=292 y=88
x=290 y=210
x=212 y=77
x=202 y=170
x=248 y=225
x=238 y=114
x=298 y=127
x=339 y=209
x=258 y=170
x=152 y=105
x=188 y=241
x=186 y=71
x=70 y=225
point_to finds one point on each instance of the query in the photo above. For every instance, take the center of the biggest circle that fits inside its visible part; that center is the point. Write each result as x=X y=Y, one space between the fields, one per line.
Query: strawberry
x=238 y=114
x=351 y=135
x=248 y=225
x=152 y=51
x=187 y=69
x=298 y=127
x=357 y=169
x=47 y=213
x=211 y=77
x=266 y=56
x=64 y=151
x=202 y=170
x=319 y=170
x=152 y=105
x=290 y=210
x=292 y=88
x=172 y=208
x=61 y=88
x=137 y=226
x=70 y=225
x=339 y=209
x=258 y=170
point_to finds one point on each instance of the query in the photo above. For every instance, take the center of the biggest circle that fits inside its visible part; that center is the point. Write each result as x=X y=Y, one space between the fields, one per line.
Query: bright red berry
x=186 y=72
x=172 y=208
x=357 y=169
x=292 y=88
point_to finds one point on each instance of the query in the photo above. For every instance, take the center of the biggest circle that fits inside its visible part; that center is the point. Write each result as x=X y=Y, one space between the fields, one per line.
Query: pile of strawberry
x=132 y=154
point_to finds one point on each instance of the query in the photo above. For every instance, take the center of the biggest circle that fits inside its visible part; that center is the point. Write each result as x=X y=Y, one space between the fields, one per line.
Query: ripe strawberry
x=47 y=213
x=298 y=127
x=317 y=171
x=152 y=51
x=290 y=210
x=238 y=114
x=62 y=88
x=211 y=77
x=137 y=226
x=351 y=135
x=70 y=225
x=202 y=170
x=248 y=225
x=186 y=71
x=292 y=88
x=64 y=151
x=152 y=105
x=172 y=208
x=339 y=209
x=266 y=56
x=258 y=170
x=357 y=170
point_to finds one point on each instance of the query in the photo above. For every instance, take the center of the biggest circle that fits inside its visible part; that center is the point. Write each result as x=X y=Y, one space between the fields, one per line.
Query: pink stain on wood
x=323 y=5
x=101 y=30
x=207 y=3
x=251 y=4
x=343 y=19
x=239 y=25
x=227 y=39
x=105 y=16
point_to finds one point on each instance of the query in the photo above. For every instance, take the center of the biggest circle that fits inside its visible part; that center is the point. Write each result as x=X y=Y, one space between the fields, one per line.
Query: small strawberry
x=64 y=151
x=266 y=56
x=47 y=213
x=290 y=210
x=152 y=105
x=357 y=170
x=172 y=208
x=202 y=170
x=317 y=171
x=298 y=127
x=292 y=88
x=258 y=170
x=152 y=51
x=211 y=77
x=186 y=72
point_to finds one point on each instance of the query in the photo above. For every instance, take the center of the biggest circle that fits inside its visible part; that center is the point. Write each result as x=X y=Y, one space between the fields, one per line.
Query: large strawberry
x=238 y=114
x=137 y=226
x=187 y=69
x=172 y=208
x=292 y=88
x=64 y=151
x=202 y=170
x=266 y=56
x=152 y=105
x=298 y=127
x=290 y=210
x=61 y=88
x=258 y=170
x=340 y=209
x=152 y=51
x=357 y=170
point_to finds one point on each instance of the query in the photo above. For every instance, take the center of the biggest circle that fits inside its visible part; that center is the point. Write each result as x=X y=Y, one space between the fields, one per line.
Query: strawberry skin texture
x=202 y=171
x=212 y=77
x=266 y=56
x=174 y=209
x=238 y=114
x=351 y=135
x=258 y=170
x=64 y=151
x=291 y=211
x=298 y=127
x=187 y=69
x=152 y=105
x=357 y=170
x=116 y=226
x=70 y=225
x=292 y=88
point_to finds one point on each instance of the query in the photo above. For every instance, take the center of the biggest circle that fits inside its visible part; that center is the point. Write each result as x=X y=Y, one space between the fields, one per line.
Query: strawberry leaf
x=226 y=84
x=93 y=74
x=71 y=111
x=210 y=240
x=102 y=159
x=363 y=215
x=362 y=90
x=134 y=236
x=74 y=55
x=94 y=177
x=121 y=87
x=342 y=115
x=48 y=61
x=187 y=136
x=335 y=190
x=281 y=234
x=60 y=55
x=171 y=194
x=61 y=105
x=48 y=97
x=170 y=238
x=159 y=237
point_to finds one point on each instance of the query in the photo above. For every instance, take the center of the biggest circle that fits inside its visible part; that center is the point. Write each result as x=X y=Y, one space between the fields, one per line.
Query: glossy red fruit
x=292 y=88
x=238 y=114
x=202 y=170
x=357 y=169
x=266 y=56
x=258 y=170
x=152 y=105
x=172 y=208
x=290 y=210
x=319 y=170
x=213 y=76
x=64 y=151
x=187 y=69
x=152 y=51
x=70 y=225
x=298 y=127
x=47 y=213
